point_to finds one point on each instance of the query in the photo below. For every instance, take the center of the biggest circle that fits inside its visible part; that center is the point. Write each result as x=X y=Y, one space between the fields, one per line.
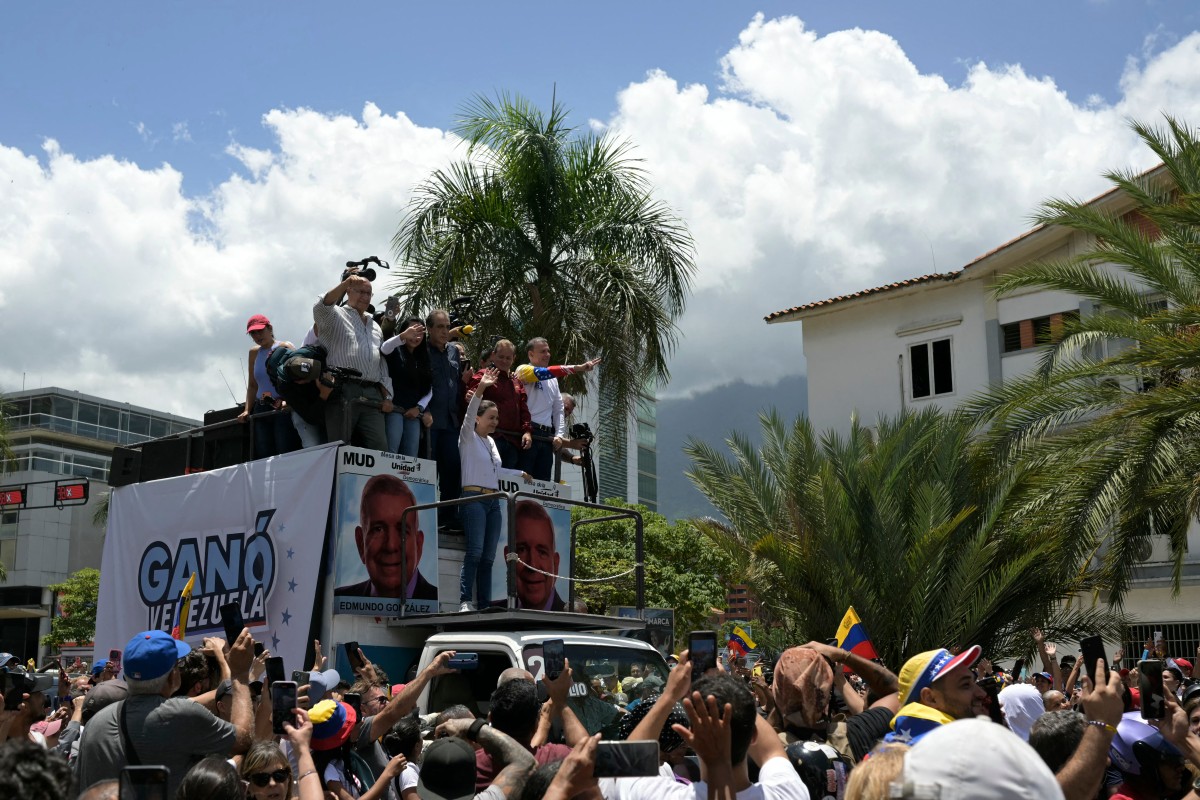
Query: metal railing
x=511 y=498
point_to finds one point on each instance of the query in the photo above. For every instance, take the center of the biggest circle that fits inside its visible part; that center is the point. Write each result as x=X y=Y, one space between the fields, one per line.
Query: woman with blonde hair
x=871 y=777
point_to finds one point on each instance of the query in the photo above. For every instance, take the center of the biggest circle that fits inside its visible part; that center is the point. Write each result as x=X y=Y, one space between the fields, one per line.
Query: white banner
x=252 y=533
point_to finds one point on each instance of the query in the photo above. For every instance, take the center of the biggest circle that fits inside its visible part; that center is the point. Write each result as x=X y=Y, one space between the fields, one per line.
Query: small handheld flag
x=852 y=636
x=740 y=641
x=179 y=628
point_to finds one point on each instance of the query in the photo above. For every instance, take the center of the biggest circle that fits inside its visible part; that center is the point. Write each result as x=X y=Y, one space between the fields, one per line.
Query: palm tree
x=906 y=523
x=1109 y=421
x=554 y=233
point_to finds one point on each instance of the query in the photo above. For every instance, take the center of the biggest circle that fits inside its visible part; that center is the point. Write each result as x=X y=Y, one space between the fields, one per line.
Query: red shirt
x=511 y=401
x=485 y=773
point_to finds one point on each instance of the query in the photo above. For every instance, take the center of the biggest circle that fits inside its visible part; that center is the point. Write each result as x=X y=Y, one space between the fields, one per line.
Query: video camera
x=462 y=311
x=581 y=430
x=337 y=375
x=364 y=270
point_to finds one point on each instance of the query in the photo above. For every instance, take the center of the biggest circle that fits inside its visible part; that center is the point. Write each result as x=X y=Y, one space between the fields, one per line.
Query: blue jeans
x=403 y=434
x=481 y=523
x=273 y=435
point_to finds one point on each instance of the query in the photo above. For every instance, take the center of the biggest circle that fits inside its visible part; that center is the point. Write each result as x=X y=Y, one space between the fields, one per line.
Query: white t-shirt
x=335 y=772
x=410 y=776
x=777 y=780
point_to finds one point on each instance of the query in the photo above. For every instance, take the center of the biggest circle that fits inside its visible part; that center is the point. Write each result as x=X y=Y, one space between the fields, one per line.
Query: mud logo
x=236 y=567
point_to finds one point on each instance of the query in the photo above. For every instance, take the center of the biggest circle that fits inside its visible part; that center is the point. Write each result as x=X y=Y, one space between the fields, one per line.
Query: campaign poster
x=660 y=626
x=543 y=543
x=373 y=490
x=247 y=533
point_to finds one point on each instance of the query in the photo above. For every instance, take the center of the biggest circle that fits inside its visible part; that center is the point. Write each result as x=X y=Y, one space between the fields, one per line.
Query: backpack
x=358 y=770
x=304 y=399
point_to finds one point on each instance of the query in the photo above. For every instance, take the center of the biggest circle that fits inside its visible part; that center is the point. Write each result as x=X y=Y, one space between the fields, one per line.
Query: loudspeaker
x=166 y=458
x=228 y=444
x=126 y=467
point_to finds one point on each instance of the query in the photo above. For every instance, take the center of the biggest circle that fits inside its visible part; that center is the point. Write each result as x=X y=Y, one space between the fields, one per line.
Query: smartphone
x=1150 y=683
x=114 y=658
x=283 y=703
x=144 y=783
x=554 y=657
x=274 y=669
x=354 y=700
x=356 y=663
x=1092 y=648
x=231 y=618
x=702 y=650
x=1017 y=668
x=629 y=759
x=258 y=649
x=464 y=661
x=300 y=677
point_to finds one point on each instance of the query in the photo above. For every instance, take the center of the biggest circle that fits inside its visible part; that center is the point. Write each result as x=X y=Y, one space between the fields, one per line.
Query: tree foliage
x=76 y=620
x=683 y=570
x=1109 y=423
x=554 y=233
x=906 y=522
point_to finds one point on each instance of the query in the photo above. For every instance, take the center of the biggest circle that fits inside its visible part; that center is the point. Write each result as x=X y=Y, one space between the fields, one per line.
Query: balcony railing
x=73 y=426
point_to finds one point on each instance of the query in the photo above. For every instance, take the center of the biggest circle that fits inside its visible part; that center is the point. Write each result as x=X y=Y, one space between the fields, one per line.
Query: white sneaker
x=467 y=606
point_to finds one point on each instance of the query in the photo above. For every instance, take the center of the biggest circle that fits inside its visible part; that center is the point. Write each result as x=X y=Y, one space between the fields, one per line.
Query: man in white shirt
x=545 y=414
x=724 y=730
x=352 y=339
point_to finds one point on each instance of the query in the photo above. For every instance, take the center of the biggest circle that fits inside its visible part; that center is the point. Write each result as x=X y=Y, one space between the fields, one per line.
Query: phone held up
x=143 y=783
x=554 y=657
x=702 y=650
x=1150 y=684
x=283 y=703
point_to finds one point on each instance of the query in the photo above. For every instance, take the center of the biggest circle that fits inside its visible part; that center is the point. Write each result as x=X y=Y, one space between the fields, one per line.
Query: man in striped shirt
x=351 y=337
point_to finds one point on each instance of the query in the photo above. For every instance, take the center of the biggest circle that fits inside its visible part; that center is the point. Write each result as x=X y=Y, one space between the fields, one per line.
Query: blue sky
x=178 y=167
x=121 y=78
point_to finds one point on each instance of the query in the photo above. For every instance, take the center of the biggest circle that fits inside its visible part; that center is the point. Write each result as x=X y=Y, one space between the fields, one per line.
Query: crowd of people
x=407 y=386
x=401 y=385
x=820 y=722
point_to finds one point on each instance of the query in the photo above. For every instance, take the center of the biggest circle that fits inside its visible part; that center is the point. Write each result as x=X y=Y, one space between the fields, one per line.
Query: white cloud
x=828 y=164
x=819 y=165
x=180 y=132
x=118 y=284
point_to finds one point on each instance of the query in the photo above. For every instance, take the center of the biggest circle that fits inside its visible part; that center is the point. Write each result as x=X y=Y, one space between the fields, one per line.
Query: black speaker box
x=228 y=444
x=167 y=458
x=126 y=466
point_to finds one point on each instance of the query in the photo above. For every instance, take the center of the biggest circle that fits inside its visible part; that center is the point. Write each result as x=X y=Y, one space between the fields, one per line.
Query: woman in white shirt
x=481 y=473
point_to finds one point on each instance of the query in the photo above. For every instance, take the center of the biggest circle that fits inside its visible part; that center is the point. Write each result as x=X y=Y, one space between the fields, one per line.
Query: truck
x=287 y=539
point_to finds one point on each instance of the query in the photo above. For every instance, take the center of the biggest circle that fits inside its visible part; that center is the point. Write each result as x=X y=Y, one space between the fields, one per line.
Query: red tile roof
x=936 y=276
x=940 y=276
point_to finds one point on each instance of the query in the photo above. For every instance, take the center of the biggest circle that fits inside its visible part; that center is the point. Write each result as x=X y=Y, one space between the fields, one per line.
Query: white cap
x=976 y=759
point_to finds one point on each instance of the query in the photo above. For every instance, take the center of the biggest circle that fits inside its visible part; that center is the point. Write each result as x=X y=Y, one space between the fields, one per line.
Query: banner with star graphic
x=252 y=534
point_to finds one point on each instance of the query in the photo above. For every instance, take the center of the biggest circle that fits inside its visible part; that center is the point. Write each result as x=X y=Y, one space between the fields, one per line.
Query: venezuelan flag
x=179 y=628
x=740 y=641
x=852 y=636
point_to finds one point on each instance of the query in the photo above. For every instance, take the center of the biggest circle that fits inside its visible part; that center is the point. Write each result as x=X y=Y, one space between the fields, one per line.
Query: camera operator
x=545 y=404
x=564 y=446
x=352 y=338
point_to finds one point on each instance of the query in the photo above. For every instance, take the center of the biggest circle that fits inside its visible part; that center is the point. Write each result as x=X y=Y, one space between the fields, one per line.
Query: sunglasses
x=261 y=779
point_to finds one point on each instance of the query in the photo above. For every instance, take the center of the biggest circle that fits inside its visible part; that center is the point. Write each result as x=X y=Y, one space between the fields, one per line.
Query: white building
x=939 y=339
x=57 y=433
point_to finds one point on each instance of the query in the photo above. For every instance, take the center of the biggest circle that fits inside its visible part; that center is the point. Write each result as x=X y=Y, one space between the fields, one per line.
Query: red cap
x=1124 y=672
x=257 y=323
x=1183 y=663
